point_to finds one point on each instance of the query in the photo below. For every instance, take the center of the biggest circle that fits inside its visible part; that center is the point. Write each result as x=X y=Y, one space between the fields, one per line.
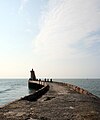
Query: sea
x=13 y=89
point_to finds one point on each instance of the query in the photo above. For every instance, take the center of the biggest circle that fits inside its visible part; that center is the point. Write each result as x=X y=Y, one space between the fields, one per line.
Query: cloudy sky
x=57 y=38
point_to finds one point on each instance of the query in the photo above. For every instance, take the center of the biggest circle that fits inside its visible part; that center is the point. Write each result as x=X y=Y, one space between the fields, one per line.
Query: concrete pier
x=61 y=102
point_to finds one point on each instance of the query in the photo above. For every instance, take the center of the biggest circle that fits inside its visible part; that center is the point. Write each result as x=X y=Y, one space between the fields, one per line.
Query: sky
x=57 y=38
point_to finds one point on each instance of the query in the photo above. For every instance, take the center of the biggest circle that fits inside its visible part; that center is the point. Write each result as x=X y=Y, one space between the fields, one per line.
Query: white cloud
x=23 y=4
x=66 y=22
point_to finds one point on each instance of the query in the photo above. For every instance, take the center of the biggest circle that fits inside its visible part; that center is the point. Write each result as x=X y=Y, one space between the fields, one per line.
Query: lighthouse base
x=34 y=85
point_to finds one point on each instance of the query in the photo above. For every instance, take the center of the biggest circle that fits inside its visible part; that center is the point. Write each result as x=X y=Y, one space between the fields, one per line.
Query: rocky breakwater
x=61 y=102
x=78 y=89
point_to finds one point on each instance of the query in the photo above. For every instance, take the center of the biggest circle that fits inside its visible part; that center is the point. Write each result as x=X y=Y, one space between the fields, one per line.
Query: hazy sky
x=57 y=38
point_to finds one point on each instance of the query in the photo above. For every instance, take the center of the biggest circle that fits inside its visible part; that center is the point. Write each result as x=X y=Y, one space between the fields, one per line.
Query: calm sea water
x=12 y=89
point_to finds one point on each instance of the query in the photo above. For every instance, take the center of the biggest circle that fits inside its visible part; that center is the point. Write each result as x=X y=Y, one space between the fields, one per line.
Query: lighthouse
x=33 y=77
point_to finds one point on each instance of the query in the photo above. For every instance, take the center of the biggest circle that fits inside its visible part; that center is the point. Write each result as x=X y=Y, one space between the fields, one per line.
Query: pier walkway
x=59 y=103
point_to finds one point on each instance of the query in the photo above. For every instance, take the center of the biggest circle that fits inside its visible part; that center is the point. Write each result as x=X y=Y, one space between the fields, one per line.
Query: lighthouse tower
x=33 y=77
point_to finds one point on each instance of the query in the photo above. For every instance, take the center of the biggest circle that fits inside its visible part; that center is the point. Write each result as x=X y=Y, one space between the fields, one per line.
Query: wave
x=6 y=90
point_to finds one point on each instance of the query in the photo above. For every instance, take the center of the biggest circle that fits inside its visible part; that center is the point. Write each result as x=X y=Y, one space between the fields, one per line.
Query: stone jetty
x=59 y=102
